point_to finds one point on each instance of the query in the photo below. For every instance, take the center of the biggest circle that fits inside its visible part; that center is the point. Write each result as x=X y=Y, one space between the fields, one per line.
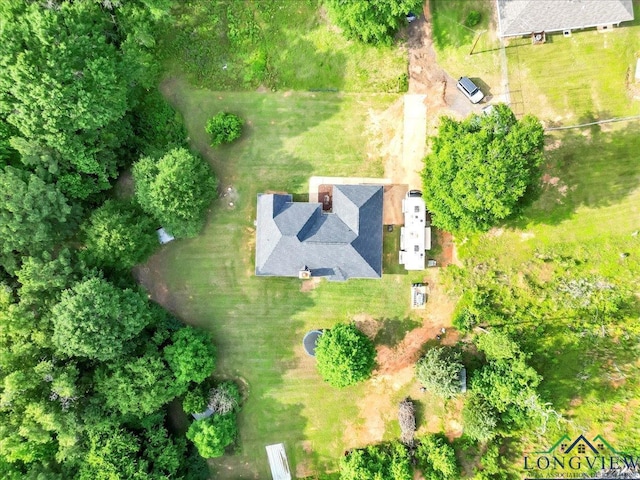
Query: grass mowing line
x=258 y=323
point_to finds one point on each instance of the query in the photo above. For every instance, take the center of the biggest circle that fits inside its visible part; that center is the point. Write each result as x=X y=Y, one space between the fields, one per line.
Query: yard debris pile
x=407 y=420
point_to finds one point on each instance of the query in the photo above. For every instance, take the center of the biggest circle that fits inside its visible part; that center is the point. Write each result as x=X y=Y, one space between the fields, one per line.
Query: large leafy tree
x=480 y=169
x=176 y=189
x=97 y=320
x=146 y=450
x=212 y=435
x=137 y=385
x=439 y=371
x=33 y=214
x=119 y=235
x=64 y=85
x=436 y=458
x=372 y=21
x=42 y=279
x=191 y=355
x=345 y=355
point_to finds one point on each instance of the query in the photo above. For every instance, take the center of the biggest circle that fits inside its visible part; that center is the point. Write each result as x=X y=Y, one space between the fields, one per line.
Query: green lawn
x=240 y=45
x=576 y=79
x=258 y=323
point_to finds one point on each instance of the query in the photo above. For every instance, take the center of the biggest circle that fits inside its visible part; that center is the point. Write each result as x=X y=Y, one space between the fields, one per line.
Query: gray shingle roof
x=521 y=17
x=340 y=245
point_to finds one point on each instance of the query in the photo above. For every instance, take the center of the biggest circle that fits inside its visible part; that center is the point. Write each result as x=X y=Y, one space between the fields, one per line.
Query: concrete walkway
x=414 y=138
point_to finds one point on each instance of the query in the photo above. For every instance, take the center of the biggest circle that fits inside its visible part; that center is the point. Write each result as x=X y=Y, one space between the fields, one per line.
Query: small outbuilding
x=278 y=462
x=164 y=236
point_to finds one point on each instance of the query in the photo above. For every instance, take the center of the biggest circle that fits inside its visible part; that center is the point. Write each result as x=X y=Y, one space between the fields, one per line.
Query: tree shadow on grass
x=393 y=330
x=585 y=168
x=578 y=363
x=448 y=22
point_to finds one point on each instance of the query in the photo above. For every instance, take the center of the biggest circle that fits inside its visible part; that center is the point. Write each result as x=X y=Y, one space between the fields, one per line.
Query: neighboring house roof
x=346 y=243
x=521 y=17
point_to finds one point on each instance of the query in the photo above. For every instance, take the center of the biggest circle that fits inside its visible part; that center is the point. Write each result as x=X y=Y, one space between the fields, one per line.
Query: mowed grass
x=258 y=323
x=241 y=45
x=454 y=41
x=589 y=210
x=587 y=76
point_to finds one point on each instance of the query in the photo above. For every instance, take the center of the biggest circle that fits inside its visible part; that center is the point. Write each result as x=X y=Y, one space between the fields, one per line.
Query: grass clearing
x=585 y=77
x=258 y=323
x=241 y=45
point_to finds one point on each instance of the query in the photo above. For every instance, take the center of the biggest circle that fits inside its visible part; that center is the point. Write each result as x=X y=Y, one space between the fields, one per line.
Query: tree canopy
x=84 y=379
x=213 y=434
x=33 y=214
x=176 y=189
x=439 y=371
x=372 y=21
x=383 y=462
x=119 y=234
x=436 y=458
x=345 y=355
x=139 y=385
x=191 y=355
x=480 y=169
x=96 y=319
x=61 y=86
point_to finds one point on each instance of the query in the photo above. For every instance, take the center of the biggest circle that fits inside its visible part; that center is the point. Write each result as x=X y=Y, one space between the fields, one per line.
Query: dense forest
x=88 y=365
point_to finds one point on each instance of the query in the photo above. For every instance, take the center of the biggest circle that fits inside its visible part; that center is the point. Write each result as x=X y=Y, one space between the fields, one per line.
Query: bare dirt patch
x=311 y=284
x=149 y=275
x=436 y=317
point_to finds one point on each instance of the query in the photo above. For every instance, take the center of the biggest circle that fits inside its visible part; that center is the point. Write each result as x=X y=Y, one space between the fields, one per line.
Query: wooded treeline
x=88 y=365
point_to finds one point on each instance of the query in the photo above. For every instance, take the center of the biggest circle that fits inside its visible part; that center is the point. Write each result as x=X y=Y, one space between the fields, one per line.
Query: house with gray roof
x=298 y=239
x=524 y=17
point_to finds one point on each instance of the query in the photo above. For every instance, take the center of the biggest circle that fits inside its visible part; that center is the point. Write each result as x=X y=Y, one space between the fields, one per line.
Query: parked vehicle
x=470 y=90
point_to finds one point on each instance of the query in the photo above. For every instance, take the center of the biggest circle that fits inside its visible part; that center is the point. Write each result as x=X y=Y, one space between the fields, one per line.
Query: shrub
x=473 y=18
x=224 y=128
x=212 y=435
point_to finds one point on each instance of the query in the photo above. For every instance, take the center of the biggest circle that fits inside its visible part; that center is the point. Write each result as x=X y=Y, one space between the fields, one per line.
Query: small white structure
x=419 y=292
x=164 y=236
x=463 y=380
x=415 y=236
x=278 y=462
x=638 y=71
